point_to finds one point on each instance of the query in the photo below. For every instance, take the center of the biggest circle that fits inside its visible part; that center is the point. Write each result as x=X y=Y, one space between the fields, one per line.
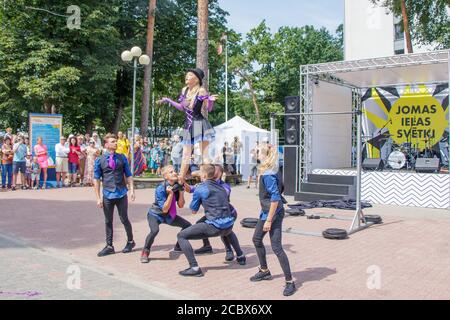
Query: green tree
x=428 y=20
x=267 y=65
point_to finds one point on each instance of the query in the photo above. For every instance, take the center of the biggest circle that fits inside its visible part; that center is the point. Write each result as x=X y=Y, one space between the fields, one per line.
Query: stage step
x=332 y=179
x=325 y=188
x=314 y=196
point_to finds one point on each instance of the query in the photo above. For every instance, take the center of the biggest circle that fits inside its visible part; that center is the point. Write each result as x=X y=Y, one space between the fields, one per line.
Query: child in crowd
x=35 y=173
x=28 y=171
x=168 y=195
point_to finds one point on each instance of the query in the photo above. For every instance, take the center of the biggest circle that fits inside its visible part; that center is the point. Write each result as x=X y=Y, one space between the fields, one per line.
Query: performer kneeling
x=219 y=218
x=207 y=248
x=271 y=219
x=168 y=194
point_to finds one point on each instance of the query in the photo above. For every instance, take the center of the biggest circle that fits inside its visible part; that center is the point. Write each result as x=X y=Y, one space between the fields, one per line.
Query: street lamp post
x=224 y=38
x=135 y=55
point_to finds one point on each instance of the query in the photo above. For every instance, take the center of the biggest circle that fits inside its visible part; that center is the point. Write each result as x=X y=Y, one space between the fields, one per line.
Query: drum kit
x=404 y=155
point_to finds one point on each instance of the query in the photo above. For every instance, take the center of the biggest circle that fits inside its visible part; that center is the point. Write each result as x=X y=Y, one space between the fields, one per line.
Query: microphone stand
x=379 y=133
x=409 y=141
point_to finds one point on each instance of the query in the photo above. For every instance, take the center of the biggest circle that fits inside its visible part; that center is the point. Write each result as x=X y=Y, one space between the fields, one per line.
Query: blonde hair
x=271 y=160
x=165 y=169
x=208 y=170
x=107 y=137
x=191 y=94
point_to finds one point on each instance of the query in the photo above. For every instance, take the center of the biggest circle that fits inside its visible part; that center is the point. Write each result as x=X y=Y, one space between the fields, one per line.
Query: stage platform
x=403 y=188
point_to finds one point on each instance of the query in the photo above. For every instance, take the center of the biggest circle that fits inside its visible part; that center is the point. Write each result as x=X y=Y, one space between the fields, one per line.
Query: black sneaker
x=204 y=250
x=229 y=256
x=289 y=289
x=106 y=251
x=191 y=273
x=242 y=260
x=129 y=247
x=260 y=275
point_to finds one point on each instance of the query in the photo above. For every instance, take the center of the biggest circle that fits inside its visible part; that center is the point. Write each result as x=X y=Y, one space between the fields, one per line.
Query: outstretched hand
x=161 y=101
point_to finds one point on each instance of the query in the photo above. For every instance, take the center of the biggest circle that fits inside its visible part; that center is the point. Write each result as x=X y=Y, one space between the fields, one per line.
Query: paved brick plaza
x=42 y=233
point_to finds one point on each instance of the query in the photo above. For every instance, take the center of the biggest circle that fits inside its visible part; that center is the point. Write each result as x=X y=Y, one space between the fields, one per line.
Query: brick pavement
x=29 y=273
x=411 y=249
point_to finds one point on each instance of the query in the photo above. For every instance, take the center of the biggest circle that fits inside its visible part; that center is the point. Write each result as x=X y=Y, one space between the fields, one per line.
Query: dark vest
x=217 y=205
x=113 y=179
x=264 y=196
x=155 y=208
x=197 y=109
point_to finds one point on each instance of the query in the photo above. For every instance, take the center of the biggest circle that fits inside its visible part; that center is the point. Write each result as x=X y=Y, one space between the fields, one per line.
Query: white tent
x=247 y=133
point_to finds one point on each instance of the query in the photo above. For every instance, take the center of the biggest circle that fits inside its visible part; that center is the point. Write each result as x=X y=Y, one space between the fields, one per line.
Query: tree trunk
x=406 y=27
x=89 y=127
x=119 y=113
x=145 y=107
x=202 y=40
x=47 y=106
x=122 y=92
x=252 y=91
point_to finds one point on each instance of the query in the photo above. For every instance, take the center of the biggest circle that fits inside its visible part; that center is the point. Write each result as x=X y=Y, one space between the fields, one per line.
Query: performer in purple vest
x=113 y=170
x=195 y=102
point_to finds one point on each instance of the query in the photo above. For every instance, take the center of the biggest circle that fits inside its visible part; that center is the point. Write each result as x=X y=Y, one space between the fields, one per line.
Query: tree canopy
x=428 y=19
x=47 y=67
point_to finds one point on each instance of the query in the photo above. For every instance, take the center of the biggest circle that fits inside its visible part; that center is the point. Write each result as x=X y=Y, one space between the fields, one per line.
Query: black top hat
x=198 y=73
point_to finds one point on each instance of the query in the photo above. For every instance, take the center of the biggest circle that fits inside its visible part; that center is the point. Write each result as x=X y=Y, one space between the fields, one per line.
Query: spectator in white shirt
x=62 y=162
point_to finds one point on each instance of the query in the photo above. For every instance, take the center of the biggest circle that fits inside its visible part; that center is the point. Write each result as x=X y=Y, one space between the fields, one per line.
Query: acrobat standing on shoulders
x=195 y=103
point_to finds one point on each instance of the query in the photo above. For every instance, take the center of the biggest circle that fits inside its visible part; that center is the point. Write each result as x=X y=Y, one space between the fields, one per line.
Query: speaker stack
x=292 y=140
x=292 y=122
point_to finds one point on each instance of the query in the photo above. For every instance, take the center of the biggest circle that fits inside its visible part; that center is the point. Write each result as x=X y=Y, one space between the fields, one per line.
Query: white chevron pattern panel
x=403 y=189
x=334 y=172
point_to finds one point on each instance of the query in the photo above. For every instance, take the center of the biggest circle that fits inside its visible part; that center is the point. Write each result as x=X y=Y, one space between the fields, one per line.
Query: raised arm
x=174 y=104
x=203 y=96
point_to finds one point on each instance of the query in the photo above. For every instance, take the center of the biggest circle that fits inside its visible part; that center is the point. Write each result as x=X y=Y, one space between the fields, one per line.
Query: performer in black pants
x=168 y=195
x=114 y=171
x=207 y=248
x=271 y=219
x=219 y=219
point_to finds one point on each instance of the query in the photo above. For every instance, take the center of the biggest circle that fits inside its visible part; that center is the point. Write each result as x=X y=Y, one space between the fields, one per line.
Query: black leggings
x=122 y=208
x=200 y=231
x=154 y=223
x=225 y=240
x=275 y=240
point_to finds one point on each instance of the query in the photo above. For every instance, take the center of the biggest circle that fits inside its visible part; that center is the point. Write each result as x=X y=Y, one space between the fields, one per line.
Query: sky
x=247 y=14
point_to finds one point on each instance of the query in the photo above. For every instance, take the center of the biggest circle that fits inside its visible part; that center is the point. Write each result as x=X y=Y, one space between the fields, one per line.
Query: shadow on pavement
x=61 y=224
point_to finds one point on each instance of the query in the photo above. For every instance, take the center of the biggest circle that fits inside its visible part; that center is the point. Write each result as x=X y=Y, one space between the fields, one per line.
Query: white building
x=372 y=31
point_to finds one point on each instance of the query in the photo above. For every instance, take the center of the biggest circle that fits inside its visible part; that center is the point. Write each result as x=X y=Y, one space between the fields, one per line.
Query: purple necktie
x=111 y=162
